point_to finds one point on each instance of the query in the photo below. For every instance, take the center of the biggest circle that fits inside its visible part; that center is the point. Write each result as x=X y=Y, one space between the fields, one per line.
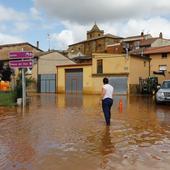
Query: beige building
x=44 y=70
x=6 y=48
x=74 y=78
x=133 y=42
x=160 y=62
x=96 y=42
x=137 y=44
x=123 y=72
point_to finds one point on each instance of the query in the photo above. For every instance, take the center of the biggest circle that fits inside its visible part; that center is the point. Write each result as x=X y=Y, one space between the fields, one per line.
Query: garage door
x=47 y=83
x=120 y=84
x=74 y=80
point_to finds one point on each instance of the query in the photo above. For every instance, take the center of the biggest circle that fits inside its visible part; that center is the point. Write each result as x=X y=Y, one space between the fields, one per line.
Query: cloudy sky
x=58 y=23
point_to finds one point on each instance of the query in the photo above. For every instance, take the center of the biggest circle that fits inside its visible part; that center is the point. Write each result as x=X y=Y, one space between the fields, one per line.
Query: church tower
x=95 y=32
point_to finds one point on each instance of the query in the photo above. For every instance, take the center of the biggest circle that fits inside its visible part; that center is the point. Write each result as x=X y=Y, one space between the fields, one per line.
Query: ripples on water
x=60 y=132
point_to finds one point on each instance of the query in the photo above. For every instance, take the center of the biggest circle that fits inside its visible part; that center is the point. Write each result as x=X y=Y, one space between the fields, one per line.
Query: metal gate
x=47 y=83
x=120 y=84
x=74 y=80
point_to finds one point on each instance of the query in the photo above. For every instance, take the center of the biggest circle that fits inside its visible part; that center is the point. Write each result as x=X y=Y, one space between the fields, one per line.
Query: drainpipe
x=150 y=65
x=38 y=86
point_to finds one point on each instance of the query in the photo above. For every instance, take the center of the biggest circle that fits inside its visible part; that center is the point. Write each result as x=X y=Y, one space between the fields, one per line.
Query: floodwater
x=68 y=132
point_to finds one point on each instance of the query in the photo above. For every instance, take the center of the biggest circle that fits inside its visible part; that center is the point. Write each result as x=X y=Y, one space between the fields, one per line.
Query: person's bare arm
x=103 y=93
x=112 y=94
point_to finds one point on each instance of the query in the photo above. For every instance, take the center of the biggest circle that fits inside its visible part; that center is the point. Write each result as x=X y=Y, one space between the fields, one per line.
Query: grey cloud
x=85 y=11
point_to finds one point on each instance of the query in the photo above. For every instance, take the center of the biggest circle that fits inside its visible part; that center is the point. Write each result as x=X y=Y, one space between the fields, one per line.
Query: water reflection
x=163 y=115
x=73 y=100
x=107 y=146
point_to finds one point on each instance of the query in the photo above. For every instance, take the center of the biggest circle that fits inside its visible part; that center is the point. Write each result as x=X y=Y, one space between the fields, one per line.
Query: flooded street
x=68 y=132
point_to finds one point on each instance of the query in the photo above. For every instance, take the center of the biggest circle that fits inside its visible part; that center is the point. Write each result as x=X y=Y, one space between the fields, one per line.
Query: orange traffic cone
x=120 y=105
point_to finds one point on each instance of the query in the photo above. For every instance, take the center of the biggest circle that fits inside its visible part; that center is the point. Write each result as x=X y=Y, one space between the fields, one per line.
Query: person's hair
x=105 y=80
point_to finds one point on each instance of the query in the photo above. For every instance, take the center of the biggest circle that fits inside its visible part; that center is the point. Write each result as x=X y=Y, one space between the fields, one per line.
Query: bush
x=7 y=98
x=18 y=88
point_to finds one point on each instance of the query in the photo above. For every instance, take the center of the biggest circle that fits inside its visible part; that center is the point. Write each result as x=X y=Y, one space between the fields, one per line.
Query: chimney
x=160 y=35
x=142 y=33
x=37 y=44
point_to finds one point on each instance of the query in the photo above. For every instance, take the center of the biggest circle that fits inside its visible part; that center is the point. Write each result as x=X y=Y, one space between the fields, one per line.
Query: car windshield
x=166 y=85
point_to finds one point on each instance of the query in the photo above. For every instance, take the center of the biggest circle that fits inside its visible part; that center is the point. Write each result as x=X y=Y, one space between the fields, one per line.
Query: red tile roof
x=157 y=50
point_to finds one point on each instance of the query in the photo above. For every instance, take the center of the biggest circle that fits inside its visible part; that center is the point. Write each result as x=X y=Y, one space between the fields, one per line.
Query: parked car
x=163 y=94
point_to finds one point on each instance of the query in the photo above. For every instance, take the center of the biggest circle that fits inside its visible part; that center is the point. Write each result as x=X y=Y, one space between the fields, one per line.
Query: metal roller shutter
x=120 y=84
x=47 y=83
x=74 y=80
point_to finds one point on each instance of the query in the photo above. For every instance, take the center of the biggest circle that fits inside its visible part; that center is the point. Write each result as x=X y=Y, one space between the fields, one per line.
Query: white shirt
x=108 y=91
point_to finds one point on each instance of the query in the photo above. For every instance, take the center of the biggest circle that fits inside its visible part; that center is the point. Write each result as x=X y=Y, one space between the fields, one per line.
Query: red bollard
x=120 y=105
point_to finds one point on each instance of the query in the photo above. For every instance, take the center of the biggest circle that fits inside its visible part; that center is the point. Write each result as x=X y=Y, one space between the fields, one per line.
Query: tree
x=5 y=72
x=1 y=69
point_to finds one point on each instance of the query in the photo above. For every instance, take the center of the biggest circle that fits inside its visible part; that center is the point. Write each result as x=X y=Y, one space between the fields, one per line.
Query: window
x=99 y=66
x=166 y=85
x=35 y=60
x=136 y=44
x=164 y=55
x=72 y=50
x=162 y=67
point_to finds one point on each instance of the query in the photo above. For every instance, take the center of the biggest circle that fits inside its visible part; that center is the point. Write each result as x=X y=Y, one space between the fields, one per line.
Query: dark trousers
x=106 y=105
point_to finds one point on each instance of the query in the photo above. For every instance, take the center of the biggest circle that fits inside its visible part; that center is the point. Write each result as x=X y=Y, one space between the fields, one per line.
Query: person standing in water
x=107 y=99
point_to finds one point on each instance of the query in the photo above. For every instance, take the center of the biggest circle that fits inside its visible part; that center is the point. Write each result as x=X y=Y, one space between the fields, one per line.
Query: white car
x=163 y=94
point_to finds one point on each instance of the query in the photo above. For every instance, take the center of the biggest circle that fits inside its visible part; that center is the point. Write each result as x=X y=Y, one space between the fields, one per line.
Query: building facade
x=7 y=48
x=160 y=62
x=44 y=70
x=137 y=44
x=96 y=42
x=123 y=73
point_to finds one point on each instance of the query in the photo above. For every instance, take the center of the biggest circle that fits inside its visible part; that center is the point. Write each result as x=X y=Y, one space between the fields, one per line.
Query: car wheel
x=157 y=102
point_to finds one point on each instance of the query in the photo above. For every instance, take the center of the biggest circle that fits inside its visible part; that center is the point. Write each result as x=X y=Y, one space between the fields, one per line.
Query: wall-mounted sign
x=20 y=55
x=20 y=63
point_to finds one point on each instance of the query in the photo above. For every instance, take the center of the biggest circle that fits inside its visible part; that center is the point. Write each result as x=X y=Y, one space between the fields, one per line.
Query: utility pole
x=23 y=87
x=49 y=43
